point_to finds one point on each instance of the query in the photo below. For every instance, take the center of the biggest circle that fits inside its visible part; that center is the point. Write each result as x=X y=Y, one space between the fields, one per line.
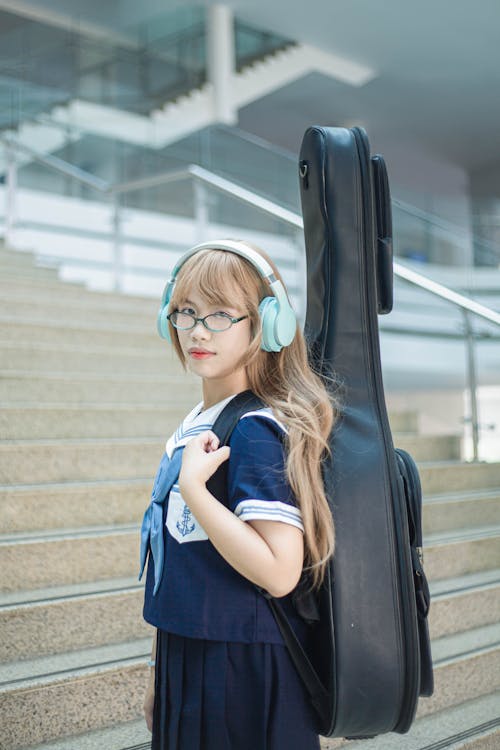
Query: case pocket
x=413 y=495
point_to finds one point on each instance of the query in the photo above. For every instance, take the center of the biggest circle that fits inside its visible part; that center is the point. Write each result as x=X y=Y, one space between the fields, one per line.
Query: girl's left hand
x=201 y=458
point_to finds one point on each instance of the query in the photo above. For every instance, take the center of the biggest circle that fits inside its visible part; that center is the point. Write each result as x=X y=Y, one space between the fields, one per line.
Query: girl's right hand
x=149 y=702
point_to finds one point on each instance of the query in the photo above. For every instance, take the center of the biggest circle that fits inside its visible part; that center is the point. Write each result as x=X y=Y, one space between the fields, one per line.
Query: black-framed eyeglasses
x=214 y=322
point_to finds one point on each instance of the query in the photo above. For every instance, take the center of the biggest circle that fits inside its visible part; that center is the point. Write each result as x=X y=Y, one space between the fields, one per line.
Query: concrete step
x=99 y=419
x=461 y=510
x=466 y=665
x=404 y=421
x=464 y=602
x=63 y=460
x=132 y=735
x=116 y=387
x=452 y=476
x=61 y=619
x=88 y=554
x=76 y=616
x=92 y=420
x=45 y=357
x=21 y=273
x=67 y=460
x=16 y=259
x=73 y=293
x=80 y=311
x=430 y=447
x=63 y=333
x=60 y=505
x=456 y=553
x=79 y=555
x=86 y=503
x=473 y=725
x=50 y=697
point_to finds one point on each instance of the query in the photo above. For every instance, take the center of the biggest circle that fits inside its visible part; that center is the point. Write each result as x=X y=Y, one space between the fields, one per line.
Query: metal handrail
x=418 y=213
x=223 y=185
x=203 y=177
x=245 y=196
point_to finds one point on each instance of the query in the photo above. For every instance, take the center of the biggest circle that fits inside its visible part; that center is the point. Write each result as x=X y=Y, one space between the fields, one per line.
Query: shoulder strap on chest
x=223 y=428
x=231 y=413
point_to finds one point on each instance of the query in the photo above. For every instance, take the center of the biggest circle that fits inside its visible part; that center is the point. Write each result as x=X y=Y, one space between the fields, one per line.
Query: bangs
x=220 y=278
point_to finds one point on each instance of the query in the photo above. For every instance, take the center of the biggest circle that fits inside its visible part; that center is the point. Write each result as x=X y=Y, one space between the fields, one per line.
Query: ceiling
x=437 y=66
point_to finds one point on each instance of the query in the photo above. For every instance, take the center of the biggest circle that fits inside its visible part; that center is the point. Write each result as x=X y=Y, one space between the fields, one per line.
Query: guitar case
x=373 y=650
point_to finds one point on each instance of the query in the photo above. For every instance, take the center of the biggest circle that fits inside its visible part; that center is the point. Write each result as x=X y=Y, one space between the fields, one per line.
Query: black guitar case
x=373 y=648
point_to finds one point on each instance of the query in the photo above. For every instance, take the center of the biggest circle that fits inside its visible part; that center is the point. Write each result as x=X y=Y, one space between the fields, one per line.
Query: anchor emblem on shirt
x=185 y=525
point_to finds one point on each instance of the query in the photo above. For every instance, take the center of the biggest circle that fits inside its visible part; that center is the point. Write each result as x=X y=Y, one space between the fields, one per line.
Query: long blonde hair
x=284 y=380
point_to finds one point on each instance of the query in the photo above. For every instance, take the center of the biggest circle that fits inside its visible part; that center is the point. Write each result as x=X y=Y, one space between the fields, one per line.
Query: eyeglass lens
x=214 y=322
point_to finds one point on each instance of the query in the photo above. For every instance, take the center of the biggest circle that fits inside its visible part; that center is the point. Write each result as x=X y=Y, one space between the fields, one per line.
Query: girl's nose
x=196 y=329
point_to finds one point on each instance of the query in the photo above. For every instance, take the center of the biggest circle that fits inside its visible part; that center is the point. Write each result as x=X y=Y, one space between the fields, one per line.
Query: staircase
x=89 y=394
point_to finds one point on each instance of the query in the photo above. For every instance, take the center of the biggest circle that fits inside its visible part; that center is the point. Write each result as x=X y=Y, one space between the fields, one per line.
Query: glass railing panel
x=426 y=369
x=246 y=160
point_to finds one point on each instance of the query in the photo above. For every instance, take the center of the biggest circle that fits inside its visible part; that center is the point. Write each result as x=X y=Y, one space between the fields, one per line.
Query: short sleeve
x=257 y=484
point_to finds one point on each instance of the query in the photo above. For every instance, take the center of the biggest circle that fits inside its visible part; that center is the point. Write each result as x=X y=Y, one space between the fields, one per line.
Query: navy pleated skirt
x=213 y=695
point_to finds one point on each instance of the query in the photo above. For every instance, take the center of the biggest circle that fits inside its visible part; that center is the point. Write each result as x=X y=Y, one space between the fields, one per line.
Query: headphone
x=277 y=316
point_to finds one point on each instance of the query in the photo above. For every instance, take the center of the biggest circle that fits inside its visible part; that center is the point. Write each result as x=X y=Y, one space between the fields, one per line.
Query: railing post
x=201 y=218
x=10 y=195
x=117 y=245
x=472 y=383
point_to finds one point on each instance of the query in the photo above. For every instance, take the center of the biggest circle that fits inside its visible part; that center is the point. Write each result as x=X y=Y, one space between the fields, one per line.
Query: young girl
x=221 y=676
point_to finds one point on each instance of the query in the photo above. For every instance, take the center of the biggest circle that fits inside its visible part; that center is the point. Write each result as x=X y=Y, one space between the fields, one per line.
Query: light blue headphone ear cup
x=278 y=326
x=285 y=326
x=268 y=309
x=162 y=323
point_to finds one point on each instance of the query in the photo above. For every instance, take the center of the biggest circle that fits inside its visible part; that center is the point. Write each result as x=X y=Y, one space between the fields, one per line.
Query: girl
x=221 y=677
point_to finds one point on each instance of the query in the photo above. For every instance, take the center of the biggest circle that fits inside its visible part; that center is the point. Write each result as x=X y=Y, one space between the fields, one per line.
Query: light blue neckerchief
x=152 y=524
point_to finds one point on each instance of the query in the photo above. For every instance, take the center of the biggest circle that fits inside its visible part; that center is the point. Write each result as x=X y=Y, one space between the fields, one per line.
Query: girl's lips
x=200 y=355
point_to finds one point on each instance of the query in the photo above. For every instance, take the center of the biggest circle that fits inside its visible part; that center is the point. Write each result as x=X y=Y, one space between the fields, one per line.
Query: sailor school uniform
x=224 y=679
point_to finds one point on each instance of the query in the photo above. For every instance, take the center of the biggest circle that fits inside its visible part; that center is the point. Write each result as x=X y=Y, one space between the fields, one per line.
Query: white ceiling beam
x=66 y=21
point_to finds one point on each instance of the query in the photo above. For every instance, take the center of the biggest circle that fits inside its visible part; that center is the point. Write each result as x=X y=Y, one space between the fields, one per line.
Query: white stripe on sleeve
x=269 y=510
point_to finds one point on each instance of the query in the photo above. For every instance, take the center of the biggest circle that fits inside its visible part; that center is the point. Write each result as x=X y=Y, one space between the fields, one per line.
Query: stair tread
x=69 y=325
x=451 y=463
x=139 y=440
x=454 y=497
x=442 y=588
x=440 y=538
x=452 y=725
x=130 y=406
x=50 y=594
x=438 y=730
x=47 y=669
x=465 y=644
x=133 y=735
x=54 y=535
x=114 y=377
x=157 y=349
x=74 y=484
x=460 y=584
x=457 y=535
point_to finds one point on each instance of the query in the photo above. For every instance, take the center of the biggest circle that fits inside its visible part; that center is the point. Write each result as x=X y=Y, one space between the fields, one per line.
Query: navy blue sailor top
x=199 y=595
